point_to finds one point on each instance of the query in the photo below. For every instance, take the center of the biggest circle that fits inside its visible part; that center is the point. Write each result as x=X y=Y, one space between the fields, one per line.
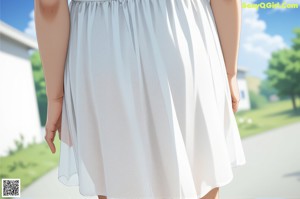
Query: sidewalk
x=272 y=170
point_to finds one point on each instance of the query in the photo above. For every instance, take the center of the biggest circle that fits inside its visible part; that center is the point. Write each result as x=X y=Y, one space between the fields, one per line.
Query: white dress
x=147 y=107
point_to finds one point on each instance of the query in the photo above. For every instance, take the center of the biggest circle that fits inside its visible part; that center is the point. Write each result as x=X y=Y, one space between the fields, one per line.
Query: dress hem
x=198 y=196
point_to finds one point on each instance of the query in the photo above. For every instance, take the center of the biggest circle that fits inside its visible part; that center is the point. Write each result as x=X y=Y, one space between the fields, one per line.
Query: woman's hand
x=52 y=22
x=234 y=90
x=53 y=123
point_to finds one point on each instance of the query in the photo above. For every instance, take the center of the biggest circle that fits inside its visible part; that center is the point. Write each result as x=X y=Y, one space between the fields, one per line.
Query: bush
x=257 y=100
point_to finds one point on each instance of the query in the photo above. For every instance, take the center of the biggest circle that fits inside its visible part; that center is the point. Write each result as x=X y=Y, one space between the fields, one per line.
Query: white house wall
x=244 y=103
x=18 y=103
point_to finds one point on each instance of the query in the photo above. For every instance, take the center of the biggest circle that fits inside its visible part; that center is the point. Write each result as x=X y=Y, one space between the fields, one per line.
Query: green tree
x=284 y=70
x=266 y=89
x=40 y=86
x=296 y=40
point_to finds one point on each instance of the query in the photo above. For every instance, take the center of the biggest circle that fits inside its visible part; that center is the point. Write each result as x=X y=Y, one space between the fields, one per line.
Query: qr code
x=11 y=187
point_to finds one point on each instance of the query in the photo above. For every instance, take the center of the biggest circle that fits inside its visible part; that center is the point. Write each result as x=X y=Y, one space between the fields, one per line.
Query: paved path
x=272 y=171
x=48 y=187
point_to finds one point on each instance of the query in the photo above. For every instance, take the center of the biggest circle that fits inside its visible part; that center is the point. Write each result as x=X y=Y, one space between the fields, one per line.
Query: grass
x=30 y=163
x=272 y=115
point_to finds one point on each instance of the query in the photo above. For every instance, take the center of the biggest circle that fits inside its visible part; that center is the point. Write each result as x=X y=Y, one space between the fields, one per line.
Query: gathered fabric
x=147 y=110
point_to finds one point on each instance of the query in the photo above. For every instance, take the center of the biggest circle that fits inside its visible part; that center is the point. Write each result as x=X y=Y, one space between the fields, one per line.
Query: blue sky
x=281 y=22
x=263 y=30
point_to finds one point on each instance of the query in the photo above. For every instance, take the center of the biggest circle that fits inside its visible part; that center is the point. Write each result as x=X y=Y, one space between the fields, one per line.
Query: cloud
x=254 y=37
x=256 y=45
x=30 y=29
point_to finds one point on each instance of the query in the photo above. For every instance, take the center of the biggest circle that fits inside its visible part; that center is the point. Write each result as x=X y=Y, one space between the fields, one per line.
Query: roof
x=242 y=69
x=18 y=36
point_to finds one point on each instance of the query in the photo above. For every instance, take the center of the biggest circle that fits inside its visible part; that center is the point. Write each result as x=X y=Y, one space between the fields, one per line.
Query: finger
x=235 y=106
x=59 y=133
x=59 y=126
x=51 y=145
x=234 y=109
x=49 y=137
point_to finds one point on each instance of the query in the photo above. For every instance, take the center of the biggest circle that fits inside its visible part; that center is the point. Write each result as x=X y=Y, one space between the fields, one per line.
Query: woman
x=143 y=95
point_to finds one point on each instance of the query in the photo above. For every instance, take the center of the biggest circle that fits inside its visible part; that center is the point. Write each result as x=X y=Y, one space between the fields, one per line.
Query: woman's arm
x=52 y=29
x=227 y=15
x=52 y=23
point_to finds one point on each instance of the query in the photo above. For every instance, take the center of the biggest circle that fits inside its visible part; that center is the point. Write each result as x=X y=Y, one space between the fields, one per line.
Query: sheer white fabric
x=147 y=108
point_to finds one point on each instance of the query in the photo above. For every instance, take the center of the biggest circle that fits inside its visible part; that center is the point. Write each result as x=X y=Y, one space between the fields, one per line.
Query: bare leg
x=101 y=197
x=213 y=194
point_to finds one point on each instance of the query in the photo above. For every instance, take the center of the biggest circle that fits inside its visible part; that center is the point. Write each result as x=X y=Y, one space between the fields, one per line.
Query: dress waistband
x=121 y=1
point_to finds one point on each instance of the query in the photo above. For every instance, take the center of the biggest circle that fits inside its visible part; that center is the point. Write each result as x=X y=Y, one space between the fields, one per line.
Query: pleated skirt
x=147 y=110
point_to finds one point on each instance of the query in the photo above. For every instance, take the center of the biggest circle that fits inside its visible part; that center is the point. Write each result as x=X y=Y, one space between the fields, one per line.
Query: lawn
x=272 y=115
x=29 y=163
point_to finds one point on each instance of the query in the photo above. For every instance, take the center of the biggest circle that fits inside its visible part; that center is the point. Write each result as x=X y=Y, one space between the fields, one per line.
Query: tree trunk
x=294 y=101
